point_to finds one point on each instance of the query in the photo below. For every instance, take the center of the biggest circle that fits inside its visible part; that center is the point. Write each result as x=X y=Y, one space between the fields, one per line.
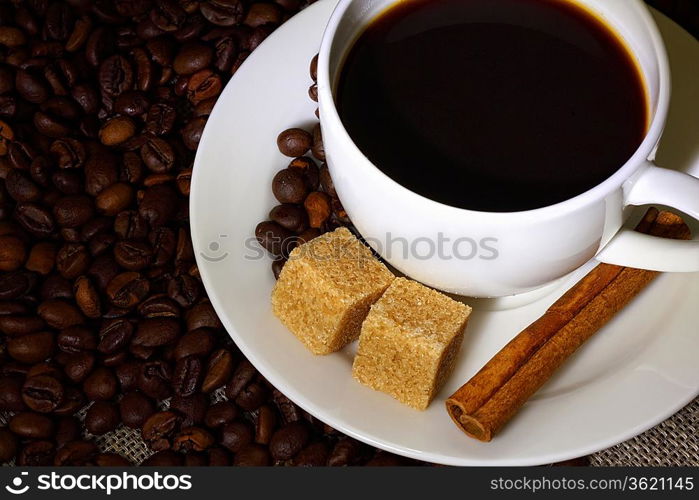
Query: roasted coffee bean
x=218 y=370
x=277 y=266
x=192 y=408
x=158 y=429
x=131 y=103
x=291 y=217
x=127 y=289
x=191 y=133
x=223 y=12
x=274 y=238
x=202 y=315
x=243 y=375
x=158 y=205
x=31 y=425
x=79 y=365
x=317 y=149
x=31 y=347
x=42 y=393
x=115 y=75
x=117 y=130
x=167 y=15
x=326 y=181
x=42 y=257
x=72 y=260
x=156 y=332
x=12 y=253
x=87 y=297
x=19 y=153
x=14 y=284
x=318 y=207
x=313 y=92
x=191 y=58
x=203 y=85
x=310 y=171
x=347 y=451
x=8 y=445
x=265 y=423
x=289 y=411
x=252 y=455
x=114 y=335
x=35 y=219
x=313 y=455
x=159 y=121
x=68 y=153
x=36 y=454
x=154 y=379
x=73 y=211
x=31 y=87
x=290 y=186
x=187 y=375
x=184 y=289
x=220 y=414
x=135 y=408
x=76 y=453
x=86 y=97
x=100 y=169
x=21 y=187
x=235 y=435
x=129 y=225
x=101 y=384
x=192 y=439
x=226 y=51
x=73 y=400
x=294 y=142
x=11 y=394
x=68 y=181
x=199 y=342
x=162 y=50
x=159 y=306
x=114 y=199
x=133 y=255
x=101 y=417
x=145 y=71
x=50 y=125
x=76 y=339
x=6 y=136
x=262 y=13
x=251 y=397
x=165 y=458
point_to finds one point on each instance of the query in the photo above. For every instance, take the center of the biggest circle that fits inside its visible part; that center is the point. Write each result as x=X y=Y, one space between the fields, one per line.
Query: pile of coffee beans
x=308 y=204
x=104 y=323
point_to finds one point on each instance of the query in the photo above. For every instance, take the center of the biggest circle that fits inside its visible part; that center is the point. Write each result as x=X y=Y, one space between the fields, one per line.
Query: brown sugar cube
x=326 y=288
x=409 y=342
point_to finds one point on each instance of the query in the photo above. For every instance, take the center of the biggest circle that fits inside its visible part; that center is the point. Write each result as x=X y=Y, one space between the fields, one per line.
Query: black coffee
x=493 y=105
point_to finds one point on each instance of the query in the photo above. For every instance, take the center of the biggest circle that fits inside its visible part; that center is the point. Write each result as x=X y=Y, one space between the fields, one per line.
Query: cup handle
x=632 y=249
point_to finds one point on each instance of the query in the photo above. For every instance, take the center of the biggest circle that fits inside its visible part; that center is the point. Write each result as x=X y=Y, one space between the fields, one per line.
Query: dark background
x=685 y=12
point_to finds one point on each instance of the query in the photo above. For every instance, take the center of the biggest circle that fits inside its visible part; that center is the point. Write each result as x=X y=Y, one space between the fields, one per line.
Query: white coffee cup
x=483 y=254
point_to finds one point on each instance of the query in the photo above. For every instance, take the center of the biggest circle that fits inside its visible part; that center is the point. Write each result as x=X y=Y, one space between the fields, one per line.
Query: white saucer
x=635 y=373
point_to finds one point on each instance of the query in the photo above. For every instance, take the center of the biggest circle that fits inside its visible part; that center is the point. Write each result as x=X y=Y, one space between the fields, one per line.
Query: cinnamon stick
x=490 y=399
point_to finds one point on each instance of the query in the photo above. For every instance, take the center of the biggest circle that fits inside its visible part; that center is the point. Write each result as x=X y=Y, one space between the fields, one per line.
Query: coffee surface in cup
x=493 y=105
